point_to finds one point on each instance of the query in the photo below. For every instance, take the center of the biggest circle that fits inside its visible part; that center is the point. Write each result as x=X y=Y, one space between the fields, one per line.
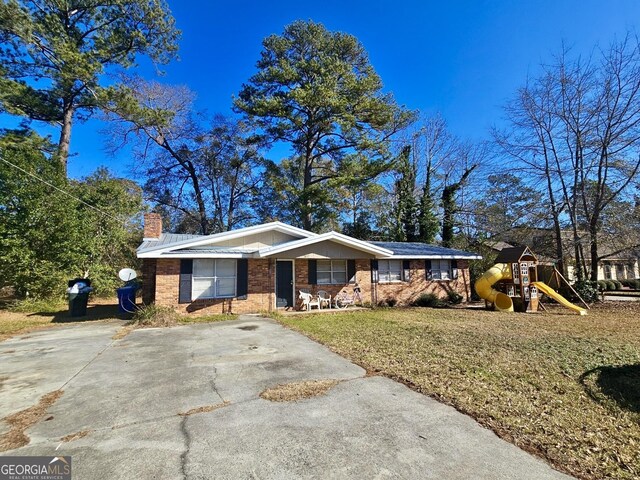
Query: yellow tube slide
x=484 y=288
x=547 y=290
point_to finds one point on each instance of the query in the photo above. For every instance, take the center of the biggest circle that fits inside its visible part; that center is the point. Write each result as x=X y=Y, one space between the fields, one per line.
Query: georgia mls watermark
x=35 y=468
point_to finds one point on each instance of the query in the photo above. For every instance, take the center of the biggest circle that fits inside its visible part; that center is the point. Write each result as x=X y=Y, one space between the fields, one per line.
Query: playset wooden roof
x=515 y=254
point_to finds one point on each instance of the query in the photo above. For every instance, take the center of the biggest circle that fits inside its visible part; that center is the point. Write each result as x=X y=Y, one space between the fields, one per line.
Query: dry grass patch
x=123 y=332
x=220 y=317
x=153 y=315
x=12 y=323
x=19 y=422
x=557 y=384
x=204 y=409
x=27 y=316
x=292 y=392
x=159 y=316
x=75 y=436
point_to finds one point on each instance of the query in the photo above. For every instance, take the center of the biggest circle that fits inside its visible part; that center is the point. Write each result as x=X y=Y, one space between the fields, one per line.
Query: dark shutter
x=351 y=271
x=374 y=271
x=427 y=269
x=184 y=288
x=454 y=269
x=406 y=270
x=313 y=272
x=242 y=280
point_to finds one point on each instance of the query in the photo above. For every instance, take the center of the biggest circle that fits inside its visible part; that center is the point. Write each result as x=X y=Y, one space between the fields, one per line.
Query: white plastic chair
x=309 y=300
x=324 y=298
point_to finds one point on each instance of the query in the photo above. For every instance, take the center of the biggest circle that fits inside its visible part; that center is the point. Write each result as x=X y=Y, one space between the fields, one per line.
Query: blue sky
x=460 y=58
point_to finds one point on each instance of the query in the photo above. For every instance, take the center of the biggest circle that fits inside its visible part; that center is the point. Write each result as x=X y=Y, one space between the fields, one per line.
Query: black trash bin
x=79 y=289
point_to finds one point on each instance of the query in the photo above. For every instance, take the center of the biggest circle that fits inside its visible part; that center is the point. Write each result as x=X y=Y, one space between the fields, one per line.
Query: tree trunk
x=577 y=253
x=593 y=243
x=65 y=137
x=308 y=205
x=202 y=210
x=449 y=207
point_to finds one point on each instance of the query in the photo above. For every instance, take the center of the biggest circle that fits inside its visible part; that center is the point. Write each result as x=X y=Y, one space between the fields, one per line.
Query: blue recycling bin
x=127 y=299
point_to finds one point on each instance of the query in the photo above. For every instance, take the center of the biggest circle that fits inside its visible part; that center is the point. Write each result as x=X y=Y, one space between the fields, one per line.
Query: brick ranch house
x=261 y=268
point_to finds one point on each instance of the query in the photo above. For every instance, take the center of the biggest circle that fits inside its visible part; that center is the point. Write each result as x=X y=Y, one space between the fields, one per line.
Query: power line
x=62 y=191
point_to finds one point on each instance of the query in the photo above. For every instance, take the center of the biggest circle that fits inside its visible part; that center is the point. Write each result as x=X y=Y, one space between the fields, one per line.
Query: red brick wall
x=406 y=292
x=261 y=291
x=148 y=280
x=402 y=292
x=259 y=296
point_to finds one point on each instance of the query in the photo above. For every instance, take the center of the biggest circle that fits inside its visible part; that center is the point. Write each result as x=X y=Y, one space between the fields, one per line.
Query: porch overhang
x=317 y=247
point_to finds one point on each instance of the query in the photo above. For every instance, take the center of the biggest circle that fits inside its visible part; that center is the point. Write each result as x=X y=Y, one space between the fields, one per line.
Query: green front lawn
x=563 y=386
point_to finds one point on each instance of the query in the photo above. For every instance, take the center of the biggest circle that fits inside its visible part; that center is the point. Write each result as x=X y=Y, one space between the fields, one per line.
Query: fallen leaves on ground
x=19 y=422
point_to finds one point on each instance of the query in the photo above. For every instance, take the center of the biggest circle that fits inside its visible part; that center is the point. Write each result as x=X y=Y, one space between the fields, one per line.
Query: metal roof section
x=223 y=252
x=171 y=245
x=361 y=245
x=498 y=245
x=417 y=250
x=165 y=240
x=162 y=246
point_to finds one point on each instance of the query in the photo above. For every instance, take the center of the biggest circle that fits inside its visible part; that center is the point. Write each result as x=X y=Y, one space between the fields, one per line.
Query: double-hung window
x=214 y=278
x=440 y=269
x=390 y=270
x=331 y=272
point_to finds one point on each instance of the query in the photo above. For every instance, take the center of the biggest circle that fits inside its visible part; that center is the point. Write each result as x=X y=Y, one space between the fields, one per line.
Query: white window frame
x=384 y=274
x=438 y=277
x=214 y=279
x=332 y=272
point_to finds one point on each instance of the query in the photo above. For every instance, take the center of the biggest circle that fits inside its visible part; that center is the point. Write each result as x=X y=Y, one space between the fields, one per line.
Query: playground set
x=513 y=284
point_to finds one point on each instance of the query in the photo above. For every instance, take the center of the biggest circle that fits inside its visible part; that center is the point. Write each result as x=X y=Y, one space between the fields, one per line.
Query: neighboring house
x=261 y=268
x=622 y=266
x=617 y=265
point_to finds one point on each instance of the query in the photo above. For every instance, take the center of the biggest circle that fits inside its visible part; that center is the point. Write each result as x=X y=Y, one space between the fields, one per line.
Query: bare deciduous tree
x=206 y=172
x=577 y=128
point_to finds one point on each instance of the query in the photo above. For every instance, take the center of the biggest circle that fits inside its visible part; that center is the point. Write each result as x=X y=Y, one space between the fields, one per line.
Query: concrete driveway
x=124 y=398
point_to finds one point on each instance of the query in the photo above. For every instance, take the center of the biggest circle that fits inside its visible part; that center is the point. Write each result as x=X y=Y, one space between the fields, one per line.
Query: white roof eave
x=195 y=255
x=433 y=257
x=233 y=234
x=330 y=236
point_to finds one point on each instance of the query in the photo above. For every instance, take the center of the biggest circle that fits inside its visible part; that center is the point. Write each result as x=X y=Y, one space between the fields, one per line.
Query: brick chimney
x=152 y=226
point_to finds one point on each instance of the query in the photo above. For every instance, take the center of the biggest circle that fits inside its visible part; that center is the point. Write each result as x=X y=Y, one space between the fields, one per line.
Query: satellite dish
x=127 y=274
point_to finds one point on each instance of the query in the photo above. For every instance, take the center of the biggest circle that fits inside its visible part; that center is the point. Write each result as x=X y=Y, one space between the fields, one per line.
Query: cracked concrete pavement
x=129 y=395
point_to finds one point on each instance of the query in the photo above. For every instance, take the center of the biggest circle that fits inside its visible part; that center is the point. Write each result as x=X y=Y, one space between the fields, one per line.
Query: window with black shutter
x=406 y=270
x=184 y=287
x=351 y=271
x=242 y=286
x=313 y=272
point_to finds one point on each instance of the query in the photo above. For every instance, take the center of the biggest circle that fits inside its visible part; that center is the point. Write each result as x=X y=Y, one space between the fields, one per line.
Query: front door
x=284 y=284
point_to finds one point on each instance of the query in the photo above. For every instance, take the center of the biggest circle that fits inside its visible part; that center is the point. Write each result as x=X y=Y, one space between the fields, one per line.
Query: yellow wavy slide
x=547 y=290
x=484 y=287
